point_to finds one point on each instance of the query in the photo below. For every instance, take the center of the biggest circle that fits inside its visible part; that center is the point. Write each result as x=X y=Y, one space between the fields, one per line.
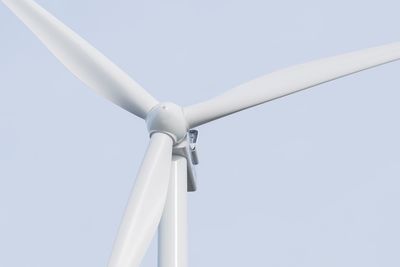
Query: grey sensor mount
x=187 y=148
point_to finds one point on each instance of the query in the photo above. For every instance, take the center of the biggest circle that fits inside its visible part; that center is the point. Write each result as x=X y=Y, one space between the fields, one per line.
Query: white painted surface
x=82 y=59
x=146 y=204
x=284 y=207
x=290 y=80
x=173 y=229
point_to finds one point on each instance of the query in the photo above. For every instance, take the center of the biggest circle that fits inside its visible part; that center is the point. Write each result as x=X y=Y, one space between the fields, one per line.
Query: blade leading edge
x=83 y=60
x=288 y=81
x=146 y=204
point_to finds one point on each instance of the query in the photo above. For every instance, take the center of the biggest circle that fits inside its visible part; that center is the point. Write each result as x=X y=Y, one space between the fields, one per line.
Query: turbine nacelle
x=168 y=118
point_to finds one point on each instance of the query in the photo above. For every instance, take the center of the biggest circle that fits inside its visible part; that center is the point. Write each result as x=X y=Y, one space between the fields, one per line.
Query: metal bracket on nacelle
x=187 y=149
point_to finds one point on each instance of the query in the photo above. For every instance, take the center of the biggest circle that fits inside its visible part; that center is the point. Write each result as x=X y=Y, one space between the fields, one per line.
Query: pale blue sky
x=309 y=180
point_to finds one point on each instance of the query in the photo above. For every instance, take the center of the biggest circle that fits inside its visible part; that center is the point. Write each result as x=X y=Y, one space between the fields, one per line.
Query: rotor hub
x=167 y=118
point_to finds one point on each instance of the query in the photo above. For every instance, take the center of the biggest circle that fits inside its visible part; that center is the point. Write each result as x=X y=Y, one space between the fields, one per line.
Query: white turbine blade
x=83 y=60
x=146 y=204
x=288 y=81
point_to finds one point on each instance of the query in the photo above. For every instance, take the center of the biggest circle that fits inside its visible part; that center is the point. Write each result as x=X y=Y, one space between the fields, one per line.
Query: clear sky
x=308 y=180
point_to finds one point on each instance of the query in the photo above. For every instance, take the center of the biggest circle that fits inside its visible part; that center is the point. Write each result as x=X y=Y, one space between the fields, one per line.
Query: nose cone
x=167 y=118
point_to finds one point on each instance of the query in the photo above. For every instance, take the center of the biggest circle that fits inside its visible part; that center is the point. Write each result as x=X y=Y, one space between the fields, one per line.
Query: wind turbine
x=167 y=171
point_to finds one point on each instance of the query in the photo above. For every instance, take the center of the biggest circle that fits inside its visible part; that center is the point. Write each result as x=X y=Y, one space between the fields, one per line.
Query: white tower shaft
x=172 y=235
